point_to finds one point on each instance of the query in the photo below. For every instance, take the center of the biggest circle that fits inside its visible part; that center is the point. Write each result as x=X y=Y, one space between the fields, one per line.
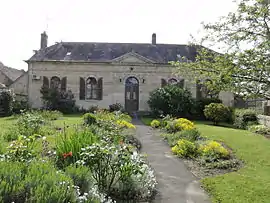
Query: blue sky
x=100 y=21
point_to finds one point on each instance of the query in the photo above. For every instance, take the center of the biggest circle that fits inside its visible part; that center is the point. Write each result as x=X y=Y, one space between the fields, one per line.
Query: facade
x=106 y=73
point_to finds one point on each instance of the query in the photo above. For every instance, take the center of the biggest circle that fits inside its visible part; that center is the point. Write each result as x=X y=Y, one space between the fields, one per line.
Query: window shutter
x=64 y=84
x=181 y=83
x=100 y=88
x=82 y=88
x=45 y=82
x=163 y=82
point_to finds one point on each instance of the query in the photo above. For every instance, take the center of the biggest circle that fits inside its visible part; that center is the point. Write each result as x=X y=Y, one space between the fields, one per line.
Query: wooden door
x=131 y=95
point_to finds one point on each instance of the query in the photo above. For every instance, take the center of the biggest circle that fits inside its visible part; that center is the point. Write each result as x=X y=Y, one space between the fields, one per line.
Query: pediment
x=132 y=57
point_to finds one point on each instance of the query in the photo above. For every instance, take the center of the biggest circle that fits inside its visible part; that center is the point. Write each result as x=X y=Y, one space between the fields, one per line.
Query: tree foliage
x=244 y=65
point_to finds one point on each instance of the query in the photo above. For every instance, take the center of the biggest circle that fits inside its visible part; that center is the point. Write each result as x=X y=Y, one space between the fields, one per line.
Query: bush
x=200 y=104
x=115 y=107
x=19 y=106
x=213 y=151
x=260 y=129
x=155 y=124
x=178 y=125
x=38 y=182
x=6 y=102
x=190 y=135
x=217 y=113
x=81 y=177
x=244 y=117
x=89 y=118
x=171 y=100
x=185 y=148
x=121 y=174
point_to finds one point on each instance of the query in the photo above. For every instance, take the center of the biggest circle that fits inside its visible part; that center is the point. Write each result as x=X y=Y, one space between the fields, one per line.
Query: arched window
x=55 y=82
x=172 y=81
x=91 y=88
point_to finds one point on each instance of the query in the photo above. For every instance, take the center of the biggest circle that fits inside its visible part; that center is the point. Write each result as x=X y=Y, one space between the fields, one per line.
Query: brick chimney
x=154 y=39
x=43 y=40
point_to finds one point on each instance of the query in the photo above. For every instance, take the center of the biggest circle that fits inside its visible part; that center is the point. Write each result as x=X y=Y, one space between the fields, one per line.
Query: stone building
x=106 y=73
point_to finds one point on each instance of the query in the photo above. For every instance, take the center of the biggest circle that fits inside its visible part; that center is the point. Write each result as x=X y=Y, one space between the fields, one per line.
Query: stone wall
x=264 y=120
x=113 y=74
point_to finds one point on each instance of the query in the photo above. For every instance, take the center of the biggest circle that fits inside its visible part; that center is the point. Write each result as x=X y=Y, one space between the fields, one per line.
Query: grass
x=252 y=182
x=66 y=120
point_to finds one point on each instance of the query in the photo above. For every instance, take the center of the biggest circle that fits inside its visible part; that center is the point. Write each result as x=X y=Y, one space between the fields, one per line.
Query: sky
x=173 y=21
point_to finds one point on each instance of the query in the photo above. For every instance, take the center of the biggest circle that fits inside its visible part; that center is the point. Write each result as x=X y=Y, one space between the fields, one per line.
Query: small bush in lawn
x=217 y=113
x=89 y=118
x=11 y=134
x=200 y=106
x=244 y=117
x=155 y=124
x=213 y=151
x=115 y=107
x=6 y=101
x=260 y=129
x=185 y=149
x=19 y=106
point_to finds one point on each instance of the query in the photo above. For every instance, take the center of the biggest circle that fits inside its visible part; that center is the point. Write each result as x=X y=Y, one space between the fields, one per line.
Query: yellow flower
x=125 y=124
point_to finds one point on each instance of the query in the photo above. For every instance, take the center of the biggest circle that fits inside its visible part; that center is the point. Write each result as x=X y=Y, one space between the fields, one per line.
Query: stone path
x=175 y=183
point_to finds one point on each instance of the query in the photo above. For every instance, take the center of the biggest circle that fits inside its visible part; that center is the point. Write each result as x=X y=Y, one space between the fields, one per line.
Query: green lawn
x=252 y=182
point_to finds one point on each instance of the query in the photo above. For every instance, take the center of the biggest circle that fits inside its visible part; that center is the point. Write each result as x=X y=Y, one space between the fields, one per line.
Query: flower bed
x=97 y=161
x=204 y=157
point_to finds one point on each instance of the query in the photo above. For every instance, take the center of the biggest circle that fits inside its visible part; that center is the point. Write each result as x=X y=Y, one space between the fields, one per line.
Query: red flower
x=65 y=155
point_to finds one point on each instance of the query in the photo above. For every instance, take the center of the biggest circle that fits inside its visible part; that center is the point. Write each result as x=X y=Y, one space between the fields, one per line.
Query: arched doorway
x=131 y=94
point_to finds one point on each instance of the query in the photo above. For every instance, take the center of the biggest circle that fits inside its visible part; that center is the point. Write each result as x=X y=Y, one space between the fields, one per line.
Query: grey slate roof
x=102 y=52
x=11 y=73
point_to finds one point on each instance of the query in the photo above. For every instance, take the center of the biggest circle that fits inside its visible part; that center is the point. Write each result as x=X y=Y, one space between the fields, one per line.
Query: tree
x=244 y=65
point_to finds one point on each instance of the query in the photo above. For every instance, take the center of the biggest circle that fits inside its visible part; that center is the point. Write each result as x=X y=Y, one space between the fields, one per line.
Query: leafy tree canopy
x=244 y=65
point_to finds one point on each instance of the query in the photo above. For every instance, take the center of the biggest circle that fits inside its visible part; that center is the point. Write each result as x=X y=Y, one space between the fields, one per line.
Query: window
x=173 y=81
x=55 y=82
x=91 y=89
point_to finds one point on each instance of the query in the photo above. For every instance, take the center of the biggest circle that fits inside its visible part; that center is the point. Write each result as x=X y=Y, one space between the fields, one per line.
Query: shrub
x=178 y=125
x=200 y=104
x=125 y=124
x=29 y=123
x=11 y=134
x=81 y=177
x=6 y=102
x=216 y=112
x=121 y=174
x=38 y=182
x=92 y=109
x=190 y=135
x=171 y=100
x=115 y=107
x=244 y=117
x=213 y=151
x=185 y=148
x=260 y=129
x=155 y=124
x=19 y=106
x=89 y=118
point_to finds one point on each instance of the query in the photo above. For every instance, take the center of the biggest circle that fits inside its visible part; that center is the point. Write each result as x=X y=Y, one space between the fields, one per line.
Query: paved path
x=175 y=183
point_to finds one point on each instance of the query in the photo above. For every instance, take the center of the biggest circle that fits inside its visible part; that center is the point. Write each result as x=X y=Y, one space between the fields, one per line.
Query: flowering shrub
x=122 y=174
x=178 y=125
x=260 y=129
x=125 y=124
x=155 y=124
x=185 y=148
x=89 y=118
x=213 y=151
x=216 y=112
